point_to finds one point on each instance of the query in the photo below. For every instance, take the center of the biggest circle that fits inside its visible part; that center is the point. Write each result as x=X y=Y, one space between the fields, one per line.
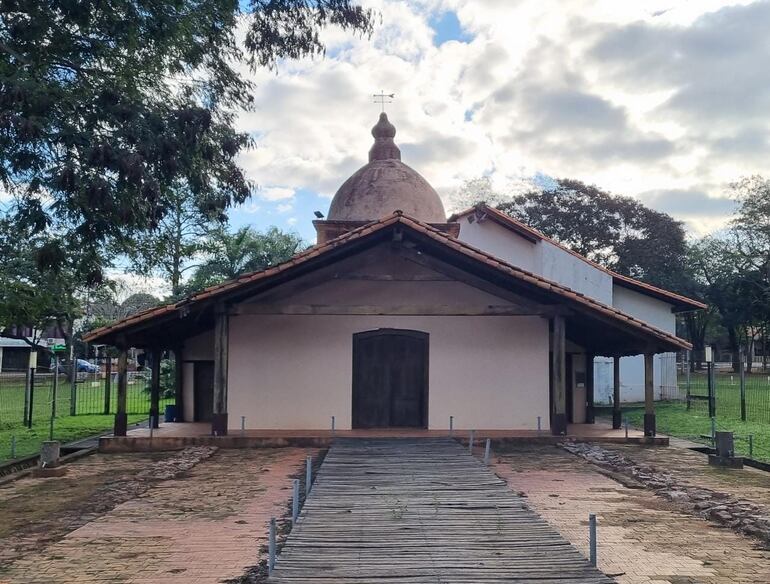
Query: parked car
x=83 y=366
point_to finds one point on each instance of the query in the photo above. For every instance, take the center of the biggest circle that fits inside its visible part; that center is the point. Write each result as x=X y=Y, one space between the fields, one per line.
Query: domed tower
x=379 y=188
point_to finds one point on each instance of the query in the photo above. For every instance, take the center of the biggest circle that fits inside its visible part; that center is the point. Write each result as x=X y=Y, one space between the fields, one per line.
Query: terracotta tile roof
x=433 y=233
x=530 y=233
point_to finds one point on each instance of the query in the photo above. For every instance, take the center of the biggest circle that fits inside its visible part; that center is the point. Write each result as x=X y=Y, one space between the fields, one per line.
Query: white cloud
x=663 y=96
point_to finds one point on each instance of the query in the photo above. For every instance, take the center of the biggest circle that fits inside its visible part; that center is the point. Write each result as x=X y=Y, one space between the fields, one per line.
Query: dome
x=385 y=185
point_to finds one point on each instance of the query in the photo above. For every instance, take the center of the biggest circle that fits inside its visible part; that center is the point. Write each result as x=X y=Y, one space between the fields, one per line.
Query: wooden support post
x=558 y=375
x=590 y=414
x=155 y=355
x=107 y=381
x=179 y=384
x=649 y=396
x=221 y=337
x=121 y=418
x=617 y=414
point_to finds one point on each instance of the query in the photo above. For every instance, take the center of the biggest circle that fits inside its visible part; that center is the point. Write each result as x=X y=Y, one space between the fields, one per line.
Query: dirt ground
x=113 y=520
x=201 y=516
x=642 y=537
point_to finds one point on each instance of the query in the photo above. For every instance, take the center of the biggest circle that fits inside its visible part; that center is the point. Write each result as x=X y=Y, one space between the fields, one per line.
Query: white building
x=398 y=317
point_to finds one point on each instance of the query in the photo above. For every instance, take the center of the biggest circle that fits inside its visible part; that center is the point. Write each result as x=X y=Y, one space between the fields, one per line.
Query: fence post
x=688 y=357
x=33 y=363
x=711 y=389
x=486 y=451
x=271 y=547
x=54 y=391
x=742 y=374
x=713 y=431
x=308 y=475
x=73 y=382
x=751 y=445
x=295 y=501
x=107 y=383
x=592 y=538
x=27 y=380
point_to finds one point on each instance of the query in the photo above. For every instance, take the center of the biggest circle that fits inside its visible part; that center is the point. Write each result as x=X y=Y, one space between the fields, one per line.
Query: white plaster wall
x=632 y=378
x=561 y=266
x=646 y=308
x=501 y=242
x=296 y=371
x=542 y=258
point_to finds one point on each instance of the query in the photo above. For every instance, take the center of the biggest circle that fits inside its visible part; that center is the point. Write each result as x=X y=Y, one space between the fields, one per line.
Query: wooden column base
x=649 y=424
x=219 y=425
x=121 y=425
x=617 y=419
x=559 y=425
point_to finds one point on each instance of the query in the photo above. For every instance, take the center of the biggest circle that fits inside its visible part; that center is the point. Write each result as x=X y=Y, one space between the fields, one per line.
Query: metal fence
x=728 y=394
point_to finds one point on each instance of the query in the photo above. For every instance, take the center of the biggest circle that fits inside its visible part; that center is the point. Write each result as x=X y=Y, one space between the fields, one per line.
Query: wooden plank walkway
x=413 y=511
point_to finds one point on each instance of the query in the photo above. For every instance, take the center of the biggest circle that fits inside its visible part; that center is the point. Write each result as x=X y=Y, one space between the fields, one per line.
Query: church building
x=400 y=317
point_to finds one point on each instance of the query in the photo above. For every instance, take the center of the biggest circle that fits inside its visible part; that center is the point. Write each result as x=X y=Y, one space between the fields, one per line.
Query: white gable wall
x=542 y=258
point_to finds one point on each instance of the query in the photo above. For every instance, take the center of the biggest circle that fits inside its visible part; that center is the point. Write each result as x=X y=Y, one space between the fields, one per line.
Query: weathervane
x=382 y=98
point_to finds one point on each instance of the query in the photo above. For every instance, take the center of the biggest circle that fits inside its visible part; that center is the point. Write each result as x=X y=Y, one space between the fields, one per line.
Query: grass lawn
x=89 y=419
x=674 y=419
x=65 y=429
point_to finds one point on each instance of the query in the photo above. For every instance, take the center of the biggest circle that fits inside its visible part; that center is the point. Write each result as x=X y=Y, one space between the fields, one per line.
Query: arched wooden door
x=390 y=379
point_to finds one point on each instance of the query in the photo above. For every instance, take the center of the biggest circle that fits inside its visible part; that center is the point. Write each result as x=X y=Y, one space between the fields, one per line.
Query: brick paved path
x=643 y=539
x=413 y=511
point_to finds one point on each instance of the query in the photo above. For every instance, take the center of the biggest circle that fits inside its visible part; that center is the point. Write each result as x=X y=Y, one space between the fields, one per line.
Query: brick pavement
x=203 y=528
x=642 y=538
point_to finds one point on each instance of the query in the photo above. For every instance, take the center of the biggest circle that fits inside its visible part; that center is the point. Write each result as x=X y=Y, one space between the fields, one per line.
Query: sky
x=665 y=101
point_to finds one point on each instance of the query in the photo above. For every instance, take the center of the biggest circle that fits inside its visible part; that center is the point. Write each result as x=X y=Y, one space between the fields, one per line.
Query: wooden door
x=390 y=379
x=203 y=391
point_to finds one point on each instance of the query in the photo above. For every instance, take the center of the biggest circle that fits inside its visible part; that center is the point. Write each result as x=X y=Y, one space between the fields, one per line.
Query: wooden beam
x=355 y=276
x=179 y=383
x=391 y=310
x=155 y=355
x=558 y=376
x=649 y=396
x=590 y=414
x=616 y=411
x=121 y=418
x=221 y=338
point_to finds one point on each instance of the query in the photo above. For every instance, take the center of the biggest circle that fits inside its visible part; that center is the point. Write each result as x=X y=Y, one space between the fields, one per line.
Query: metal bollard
x=243 y=425
x=308 y=475
x=625 y=425
x=539 y=427
x=13 y=446
x=713 y=431
x=295 y=501
x=271 y=547
x=470 y=443
x=486 y=451
x=592 y=538
x=451 y=424
x=751 y=445
x=333 y=424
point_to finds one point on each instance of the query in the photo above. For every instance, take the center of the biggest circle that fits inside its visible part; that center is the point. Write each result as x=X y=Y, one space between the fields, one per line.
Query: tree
x=246 y=250
x=106 y=106
x=179 y=237
x=617 y=232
